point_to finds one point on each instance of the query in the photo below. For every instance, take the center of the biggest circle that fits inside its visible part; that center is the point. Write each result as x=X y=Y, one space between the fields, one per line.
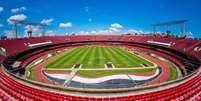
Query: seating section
x=20 y=91
x=4 y=97
x=22 y=44
x=11 y=89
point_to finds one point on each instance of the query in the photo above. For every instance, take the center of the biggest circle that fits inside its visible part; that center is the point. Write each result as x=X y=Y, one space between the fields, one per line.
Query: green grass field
x=97 y=57
x=94 y=58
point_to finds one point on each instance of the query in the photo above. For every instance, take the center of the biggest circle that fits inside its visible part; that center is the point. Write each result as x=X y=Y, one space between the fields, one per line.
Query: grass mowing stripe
x=117 y=60
x=70 y=56
x=124 y=58
x=137 y=58
x=105 y=54
x=87 y=61
x=108 y=55
x=83 y=57
x=54 y=63
x=92 y=57
x=128 y=55
x=101 y=57
x=130 y=59
x=62 y=59
x=86 y=56
x=96 y=57
x=76 y=57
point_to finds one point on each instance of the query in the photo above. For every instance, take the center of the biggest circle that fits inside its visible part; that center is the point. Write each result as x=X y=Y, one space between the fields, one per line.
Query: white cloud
x=103 y=32
x=1 y=9
x=47 y=21
x=133 y=31
x=110 y=32
x=65 y=25
x=188 y=34
x=1 y=25
x=19 y=17
x=81 y=32
x=20 y=9
x=93 y=32
x=9 y=33
x=36 y=30
x=87 y=33
x=115 y=27
x=50 y=33
x=99 y=32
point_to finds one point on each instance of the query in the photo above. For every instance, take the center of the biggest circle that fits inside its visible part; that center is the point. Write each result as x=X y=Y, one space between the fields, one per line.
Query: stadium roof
x=170 y=23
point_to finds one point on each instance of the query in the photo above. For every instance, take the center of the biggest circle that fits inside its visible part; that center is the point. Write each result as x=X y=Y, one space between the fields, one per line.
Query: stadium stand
x=186 y=57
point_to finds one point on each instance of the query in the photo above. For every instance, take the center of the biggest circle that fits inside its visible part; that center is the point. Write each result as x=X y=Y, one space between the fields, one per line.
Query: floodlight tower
x=171 y=23
x=15 y=25
x=29 y=32
x=43 y=29
x=15 y=29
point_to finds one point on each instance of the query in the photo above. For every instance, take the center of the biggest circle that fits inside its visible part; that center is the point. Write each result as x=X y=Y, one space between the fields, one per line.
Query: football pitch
x=97 y=56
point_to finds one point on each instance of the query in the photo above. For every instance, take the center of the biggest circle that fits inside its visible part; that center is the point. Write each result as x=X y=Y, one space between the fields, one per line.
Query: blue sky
x=102 y=15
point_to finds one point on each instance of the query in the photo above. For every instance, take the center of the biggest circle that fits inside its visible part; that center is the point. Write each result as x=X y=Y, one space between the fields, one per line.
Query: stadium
x=154 y=66
x=99 y=66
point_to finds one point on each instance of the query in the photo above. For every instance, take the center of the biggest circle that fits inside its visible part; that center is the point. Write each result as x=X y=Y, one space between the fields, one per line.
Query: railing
x=92 y=90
